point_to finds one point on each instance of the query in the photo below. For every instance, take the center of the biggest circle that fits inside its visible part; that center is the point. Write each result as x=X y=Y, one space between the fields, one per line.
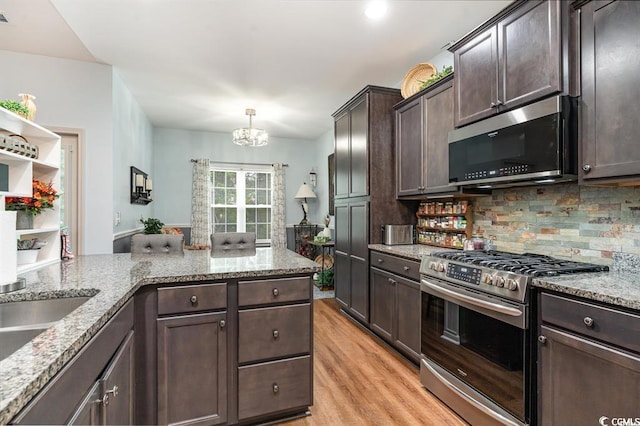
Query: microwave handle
x=496 y=307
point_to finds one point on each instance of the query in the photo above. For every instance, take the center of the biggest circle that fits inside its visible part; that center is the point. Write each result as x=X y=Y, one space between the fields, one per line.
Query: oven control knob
x=499 y=281
x=488 y=279
x=512 y=284
x=440 y=267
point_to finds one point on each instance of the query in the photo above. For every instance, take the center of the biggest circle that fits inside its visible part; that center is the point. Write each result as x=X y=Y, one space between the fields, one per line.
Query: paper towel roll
x=8 y=248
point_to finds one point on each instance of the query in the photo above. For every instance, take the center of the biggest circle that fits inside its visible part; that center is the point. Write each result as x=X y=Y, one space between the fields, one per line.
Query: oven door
x=475 y=353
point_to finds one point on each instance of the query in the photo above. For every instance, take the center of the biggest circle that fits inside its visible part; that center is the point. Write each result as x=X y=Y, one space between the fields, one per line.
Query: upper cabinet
x=610 y=60
x=422 y=151
x=22 y=165
x=513 y=59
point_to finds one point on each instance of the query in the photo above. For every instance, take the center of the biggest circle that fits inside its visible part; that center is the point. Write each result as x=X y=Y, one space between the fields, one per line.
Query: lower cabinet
x=395 y=303
x=97 y=386
x=588 y=363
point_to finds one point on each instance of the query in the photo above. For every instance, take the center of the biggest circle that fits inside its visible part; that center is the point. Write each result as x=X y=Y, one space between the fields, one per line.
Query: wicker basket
x=415 y=77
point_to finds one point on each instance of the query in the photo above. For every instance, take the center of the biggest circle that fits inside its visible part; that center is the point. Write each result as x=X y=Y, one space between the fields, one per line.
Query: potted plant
x=16 y=107
x=152 y=225
x=28 y=250
x=27 y=207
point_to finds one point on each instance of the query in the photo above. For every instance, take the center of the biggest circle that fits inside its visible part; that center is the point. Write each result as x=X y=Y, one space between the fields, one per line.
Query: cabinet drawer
x=274 y=386
x=192 y=298
x=265 y=333
x=273 y=291
x=397 y=265
x=601 y=323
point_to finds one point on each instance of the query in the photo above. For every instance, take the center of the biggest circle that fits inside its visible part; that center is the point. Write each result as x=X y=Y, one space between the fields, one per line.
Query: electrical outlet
x=118 y=218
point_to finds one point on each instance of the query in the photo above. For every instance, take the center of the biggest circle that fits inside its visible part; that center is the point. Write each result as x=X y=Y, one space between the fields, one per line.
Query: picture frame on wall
x=331 y=190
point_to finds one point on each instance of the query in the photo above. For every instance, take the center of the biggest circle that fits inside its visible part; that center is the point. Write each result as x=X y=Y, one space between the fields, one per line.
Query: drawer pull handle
x=222 y=323
x=276 y=334
x=105 y=398
x=276 y=388
x=406 y=268
x=194 y=300
x=588 y=321
x=276 y=292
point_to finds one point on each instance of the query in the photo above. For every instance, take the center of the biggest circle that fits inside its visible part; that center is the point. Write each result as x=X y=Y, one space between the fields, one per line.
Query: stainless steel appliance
x=475 y=330
x=534 y=144
x=397 y=234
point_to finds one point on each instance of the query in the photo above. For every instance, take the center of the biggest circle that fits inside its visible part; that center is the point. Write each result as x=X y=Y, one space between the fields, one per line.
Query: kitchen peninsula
x=270 y=288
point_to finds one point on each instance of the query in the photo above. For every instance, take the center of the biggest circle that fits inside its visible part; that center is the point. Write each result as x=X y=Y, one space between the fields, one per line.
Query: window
x=242 y=201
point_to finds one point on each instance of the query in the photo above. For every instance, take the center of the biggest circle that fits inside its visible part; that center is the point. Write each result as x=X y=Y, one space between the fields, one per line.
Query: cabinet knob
x=498 y=102
x=542 y=339
x=276 y=334
x=380 y=260
x=194 y=299
x=105 y=398
x=588 y=321
x=392 y=281
x=222 y=323
x=276 y=388
x=275 y=292
x=586 y=168
x=406 y=268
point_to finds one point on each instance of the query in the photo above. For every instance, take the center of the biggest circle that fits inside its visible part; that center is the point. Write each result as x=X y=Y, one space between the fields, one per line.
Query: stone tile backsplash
x=588 y=224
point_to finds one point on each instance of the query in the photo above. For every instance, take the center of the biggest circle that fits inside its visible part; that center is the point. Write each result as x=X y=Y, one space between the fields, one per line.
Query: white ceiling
x=198 y=64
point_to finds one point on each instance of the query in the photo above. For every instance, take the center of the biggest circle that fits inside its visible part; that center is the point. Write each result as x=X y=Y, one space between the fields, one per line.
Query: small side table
x=325 y=250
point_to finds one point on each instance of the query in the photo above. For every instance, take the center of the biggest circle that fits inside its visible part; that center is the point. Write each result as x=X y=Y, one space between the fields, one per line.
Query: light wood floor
x=360 y=381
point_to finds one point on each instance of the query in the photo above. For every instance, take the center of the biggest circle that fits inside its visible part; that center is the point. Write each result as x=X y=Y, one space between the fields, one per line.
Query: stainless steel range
x=475 y=330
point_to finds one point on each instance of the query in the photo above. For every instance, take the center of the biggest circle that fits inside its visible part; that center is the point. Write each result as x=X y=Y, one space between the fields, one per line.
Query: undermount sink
x=21 y=321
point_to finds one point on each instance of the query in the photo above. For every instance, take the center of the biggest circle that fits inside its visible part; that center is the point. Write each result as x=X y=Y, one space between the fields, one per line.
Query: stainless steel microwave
x=532 y=145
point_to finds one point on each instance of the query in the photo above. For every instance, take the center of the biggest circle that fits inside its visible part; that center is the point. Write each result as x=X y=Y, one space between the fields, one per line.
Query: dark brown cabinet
x=97 y=386
x=422 y=148
x=395 y=302
x=588 y=363
x=352 y=258
x=610 y=58
x=511 y=60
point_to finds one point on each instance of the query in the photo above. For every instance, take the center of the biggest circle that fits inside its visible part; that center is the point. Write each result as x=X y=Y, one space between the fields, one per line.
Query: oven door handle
x=496 y=307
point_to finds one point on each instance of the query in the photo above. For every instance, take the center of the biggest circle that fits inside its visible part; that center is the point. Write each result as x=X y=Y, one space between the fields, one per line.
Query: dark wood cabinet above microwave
x=519 y=56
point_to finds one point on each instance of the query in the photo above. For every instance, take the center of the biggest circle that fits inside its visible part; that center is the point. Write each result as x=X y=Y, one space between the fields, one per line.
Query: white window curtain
x=278 y=204
x=201 y=203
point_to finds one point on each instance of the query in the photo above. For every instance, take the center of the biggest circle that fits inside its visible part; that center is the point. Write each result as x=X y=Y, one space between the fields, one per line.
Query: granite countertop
x=616 y=287
x=111 y=280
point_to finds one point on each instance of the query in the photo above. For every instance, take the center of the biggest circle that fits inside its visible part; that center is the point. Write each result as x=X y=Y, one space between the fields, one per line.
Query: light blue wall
x=132 y=146
x=173 y=149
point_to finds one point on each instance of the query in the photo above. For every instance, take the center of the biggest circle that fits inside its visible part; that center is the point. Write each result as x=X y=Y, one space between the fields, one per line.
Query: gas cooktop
x=501 y=273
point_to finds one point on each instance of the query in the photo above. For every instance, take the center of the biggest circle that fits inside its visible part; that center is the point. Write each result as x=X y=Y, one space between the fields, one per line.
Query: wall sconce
x=313 y=177
x=141 y=187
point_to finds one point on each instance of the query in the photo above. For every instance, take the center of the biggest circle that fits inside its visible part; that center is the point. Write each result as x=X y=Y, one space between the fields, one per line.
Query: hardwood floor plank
x=358 y=380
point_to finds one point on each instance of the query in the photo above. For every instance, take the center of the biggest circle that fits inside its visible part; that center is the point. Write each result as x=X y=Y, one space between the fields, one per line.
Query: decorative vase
x=326 y=232
x=27 y=100
x=24 y=220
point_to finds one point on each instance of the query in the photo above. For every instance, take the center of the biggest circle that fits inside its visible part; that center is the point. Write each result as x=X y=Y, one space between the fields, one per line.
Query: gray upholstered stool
x=157 y=243
x=233 y=243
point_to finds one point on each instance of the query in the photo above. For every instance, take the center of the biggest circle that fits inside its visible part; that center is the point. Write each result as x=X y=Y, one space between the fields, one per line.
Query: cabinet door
x=580 y=380
x=409 y=149
x=359 y=148
x=359 y=229
x=342 y=228
x=382 y=287
x=342 y=278
x=359 y=307
x=88 y=413
x=530 y=53
x=407 y=330
x=342 y=163
x=610 y=58
x=192 y=369
x=439 y=121
x=476 y=78
x=118 y=386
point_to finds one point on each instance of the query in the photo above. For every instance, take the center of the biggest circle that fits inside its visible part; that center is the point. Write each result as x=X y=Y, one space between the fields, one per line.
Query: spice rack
x=444 y=224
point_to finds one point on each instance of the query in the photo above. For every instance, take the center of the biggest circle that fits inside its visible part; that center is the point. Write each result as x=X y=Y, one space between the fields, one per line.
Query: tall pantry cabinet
x=364 y=190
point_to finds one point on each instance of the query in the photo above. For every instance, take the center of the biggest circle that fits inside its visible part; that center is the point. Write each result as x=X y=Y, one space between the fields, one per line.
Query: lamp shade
x=305 y=191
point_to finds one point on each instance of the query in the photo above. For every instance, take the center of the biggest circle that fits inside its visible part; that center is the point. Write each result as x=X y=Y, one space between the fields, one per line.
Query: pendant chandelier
x=250 y=136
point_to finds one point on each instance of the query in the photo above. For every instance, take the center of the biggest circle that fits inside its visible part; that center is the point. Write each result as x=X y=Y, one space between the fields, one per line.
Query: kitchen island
x=111 y=281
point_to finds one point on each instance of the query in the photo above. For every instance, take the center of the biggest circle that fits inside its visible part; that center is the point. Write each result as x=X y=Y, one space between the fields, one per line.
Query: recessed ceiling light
x=376 y=9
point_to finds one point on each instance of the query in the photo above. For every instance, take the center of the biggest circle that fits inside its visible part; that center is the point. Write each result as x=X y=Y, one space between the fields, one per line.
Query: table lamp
x=303 y=193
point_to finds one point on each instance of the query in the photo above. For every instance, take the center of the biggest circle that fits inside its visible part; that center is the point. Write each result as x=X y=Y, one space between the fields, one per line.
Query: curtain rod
x=248 y=164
